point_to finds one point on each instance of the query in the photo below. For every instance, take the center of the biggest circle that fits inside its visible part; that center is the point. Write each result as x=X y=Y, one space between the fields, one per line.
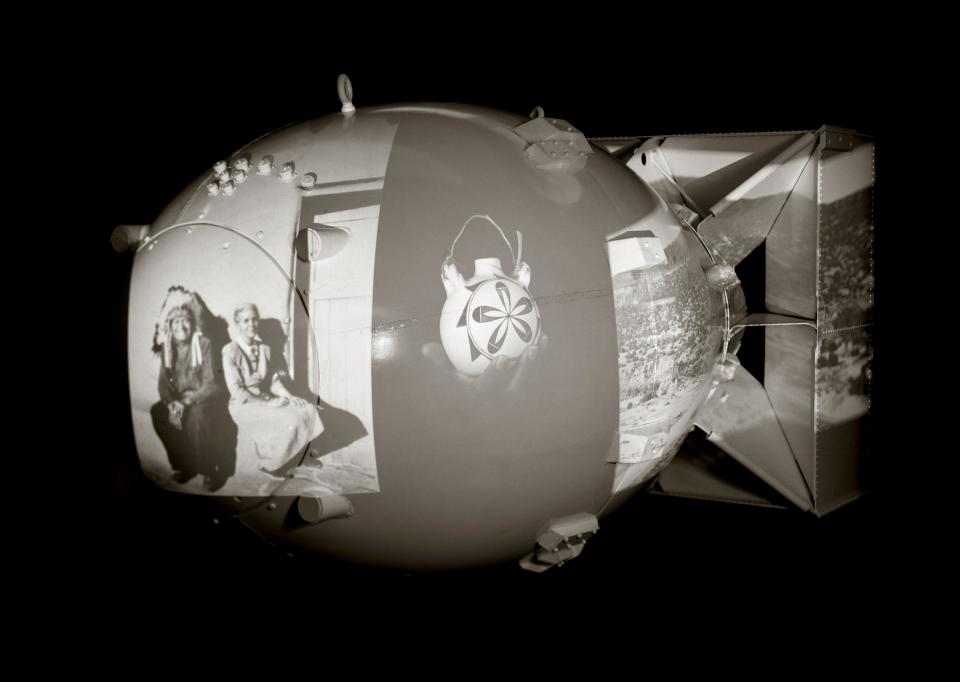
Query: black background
x=159 y=110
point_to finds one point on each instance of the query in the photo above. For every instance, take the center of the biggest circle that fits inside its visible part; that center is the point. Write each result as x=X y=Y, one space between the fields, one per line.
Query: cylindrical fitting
x=128 y=236
x=317 y=509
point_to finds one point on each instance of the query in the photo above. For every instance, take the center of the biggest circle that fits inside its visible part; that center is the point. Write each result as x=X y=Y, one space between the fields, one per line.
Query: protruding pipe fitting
x=308 y=180
x=241 y=164
x=219 y=167
x=238 y=176
x=213 y=189
x=265 y=167
x=317 y=509
x=126 y=237
x=287 y=171
x=228 y=188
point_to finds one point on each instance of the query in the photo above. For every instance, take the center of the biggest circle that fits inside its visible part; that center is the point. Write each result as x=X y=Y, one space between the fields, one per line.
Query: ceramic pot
x=488 y=316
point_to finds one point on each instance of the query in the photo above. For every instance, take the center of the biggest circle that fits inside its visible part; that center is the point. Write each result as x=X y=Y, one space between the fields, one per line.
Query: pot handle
x=516 y=257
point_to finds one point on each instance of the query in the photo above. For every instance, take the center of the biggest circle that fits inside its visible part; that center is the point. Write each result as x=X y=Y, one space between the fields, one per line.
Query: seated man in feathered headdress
x=184 y=418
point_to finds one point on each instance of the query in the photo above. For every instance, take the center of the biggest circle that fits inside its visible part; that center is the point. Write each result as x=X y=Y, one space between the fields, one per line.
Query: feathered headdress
x=176 y=301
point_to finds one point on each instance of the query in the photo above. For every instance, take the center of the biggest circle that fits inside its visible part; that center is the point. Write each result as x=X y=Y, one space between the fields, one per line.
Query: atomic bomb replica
x=423 y=335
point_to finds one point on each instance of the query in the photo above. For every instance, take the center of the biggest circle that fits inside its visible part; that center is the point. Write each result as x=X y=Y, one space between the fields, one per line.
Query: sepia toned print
x=278 y=243
x=227 y=421
x=222 y=412
x=669 y=330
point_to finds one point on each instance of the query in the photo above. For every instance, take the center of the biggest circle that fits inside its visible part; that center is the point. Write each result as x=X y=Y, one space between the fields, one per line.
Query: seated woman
x=183 y=419
x=273 y=425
